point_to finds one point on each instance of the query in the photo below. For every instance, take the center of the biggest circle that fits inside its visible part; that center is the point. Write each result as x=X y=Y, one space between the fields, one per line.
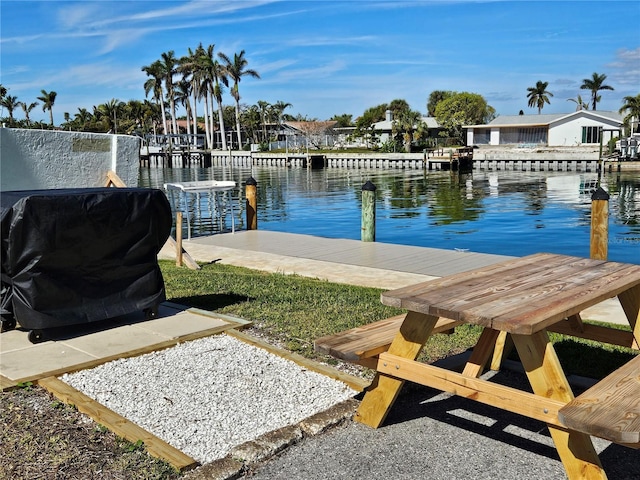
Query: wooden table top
x=519 y=296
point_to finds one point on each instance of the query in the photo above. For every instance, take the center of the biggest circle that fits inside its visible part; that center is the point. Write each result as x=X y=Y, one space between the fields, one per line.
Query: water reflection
x=506 y=212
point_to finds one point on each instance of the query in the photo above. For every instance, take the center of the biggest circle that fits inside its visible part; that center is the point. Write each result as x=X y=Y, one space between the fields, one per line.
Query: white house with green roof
x=553 y=129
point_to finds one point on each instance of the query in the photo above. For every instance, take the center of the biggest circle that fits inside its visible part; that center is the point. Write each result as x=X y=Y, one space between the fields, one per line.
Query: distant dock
x=442 y=159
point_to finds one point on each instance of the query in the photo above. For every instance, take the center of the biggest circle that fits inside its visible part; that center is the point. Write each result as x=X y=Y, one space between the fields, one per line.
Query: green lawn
x=296 y=310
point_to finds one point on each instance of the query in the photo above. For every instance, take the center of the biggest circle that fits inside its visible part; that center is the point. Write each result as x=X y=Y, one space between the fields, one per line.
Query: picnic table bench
x=518 y=299
x=610 y=409
x=362 y=344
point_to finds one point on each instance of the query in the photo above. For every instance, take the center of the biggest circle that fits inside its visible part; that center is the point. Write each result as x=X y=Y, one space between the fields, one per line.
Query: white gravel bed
x=207 y=396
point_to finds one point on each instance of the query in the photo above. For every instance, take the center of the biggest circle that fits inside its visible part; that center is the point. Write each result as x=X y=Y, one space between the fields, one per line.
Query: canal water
x=500 y=212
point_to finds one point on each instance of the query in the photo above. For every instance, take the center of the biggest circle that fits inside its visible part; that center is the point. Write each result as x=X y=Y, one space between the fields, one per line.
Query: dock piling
x=599 y=224
x=251 y=188
x=368 y=228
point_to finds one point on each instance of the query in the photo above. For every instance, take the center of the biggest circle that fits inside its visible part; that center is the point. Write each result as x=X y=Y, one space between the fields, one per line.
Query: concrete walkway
x=371 y=264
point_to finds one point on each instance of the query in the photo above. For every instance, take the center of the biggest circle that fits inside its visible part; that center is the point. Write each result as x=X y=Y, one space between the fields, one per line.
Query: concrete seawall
x=537 y=153
x=484 y=158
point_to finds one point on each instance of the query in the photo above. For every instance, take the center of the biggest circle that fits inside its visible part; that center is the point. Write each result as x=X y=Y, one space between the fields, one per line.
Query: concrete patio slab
x=114 y=341
x=25 y=364
x=84 y=346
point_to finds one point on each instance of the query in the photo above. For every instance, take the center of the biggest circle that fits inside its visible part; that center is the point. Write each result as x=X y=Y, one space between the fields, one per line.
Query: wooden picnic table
x=521 y=298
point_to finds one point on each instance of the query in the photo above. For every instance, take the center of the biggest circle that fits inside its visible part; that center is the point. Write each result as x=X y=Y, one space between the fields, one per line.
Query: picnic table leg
x=414 y=332
x=487 y=343
x=504 y=345
x=630 y=301
x=576 y=322
x=547 y=379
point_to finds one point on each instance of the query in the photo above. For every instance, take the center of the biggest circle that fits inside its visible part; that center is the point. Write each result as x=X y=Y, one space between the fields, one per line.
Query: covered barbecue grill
x=75 y=256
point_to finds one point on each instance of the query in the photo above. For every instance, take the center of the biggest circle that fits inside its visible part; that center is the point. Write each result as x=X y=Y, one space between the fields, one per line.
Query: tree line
x=201 y=77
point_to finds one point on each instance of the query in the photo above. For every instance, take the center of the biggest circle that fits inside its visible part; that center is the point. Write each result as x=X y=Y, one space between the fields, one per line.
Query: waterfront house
x=554 y=129
x=292 y=135
x=384 y=129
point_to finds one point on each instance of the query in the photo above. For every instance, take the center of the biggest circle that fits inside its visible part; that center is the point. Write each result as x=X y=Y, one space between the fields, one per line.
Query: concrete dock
x=371 y=264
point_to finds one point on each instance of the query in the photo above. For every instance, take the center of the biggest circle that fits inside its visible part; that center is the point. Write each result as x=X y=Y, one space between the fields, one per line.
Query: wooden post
x=252 y=203
x=179 y=239
x=599 y=224
x=368 y=227
x=114 y=180
x=600 y=133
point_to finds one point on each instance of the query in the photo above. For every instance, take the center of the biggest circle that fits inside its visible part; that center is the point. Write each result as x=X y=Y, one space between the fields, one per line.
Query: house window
x=482 y=136
x=523 y=135
x=590 y=134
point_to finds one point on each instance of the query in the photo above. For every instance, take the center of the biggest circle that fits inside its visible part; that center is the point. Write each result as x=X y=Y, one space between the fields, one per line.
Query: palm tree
x=169 y=68
x=595 y=84
x=279 y=107
x=192 y=71
x=206 y=72
x=154 y=84
x=83 y=117
x=220 y=79
x=631 y=107
x=252 y=121
x=27 y=109
x=403 y=127
x=134 y=112
x=3 y=93
x=10 y=102
x=183 y=92
x=237 y=69
x=215 y=77
x=580 y=104
x=48 y=99
x=151 y=113
x=110 y=112
x=264 y=108
x=538 y=95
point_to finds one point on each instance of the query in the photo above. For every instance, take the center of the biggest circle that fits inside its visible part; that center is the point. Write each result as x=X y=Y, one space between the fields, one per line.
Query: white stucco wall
x=44 y=159
x=495 y=136
x=568 y=132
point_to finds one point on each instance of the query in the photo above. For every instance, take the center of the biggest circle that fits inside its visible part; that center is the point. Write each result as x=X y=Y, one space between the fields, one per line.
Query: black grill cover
x=75 y=256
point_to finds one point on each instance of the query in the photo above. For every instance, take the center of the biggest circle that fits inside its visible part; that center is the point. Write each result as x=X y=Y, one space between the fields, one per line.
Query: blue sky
x=326 y=57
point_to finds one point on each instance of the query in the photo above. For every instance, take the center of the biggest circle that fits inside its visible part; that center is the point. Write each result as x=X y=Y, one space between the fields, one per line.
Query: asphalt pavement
x=431 y=435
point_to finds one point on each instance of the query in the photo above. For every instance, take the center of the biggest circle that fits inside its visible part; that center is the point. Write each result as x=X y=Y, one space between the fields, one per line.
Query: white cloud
x=344 y=41
x=626 y=67
x=314 y=72
x=275 y=66
x=79 y=14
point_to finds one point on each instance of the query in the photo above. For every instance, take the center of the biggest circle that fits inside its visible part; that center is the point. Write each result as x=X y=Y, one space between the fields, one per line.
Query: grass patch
x=296 y=310
x=42 y=438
